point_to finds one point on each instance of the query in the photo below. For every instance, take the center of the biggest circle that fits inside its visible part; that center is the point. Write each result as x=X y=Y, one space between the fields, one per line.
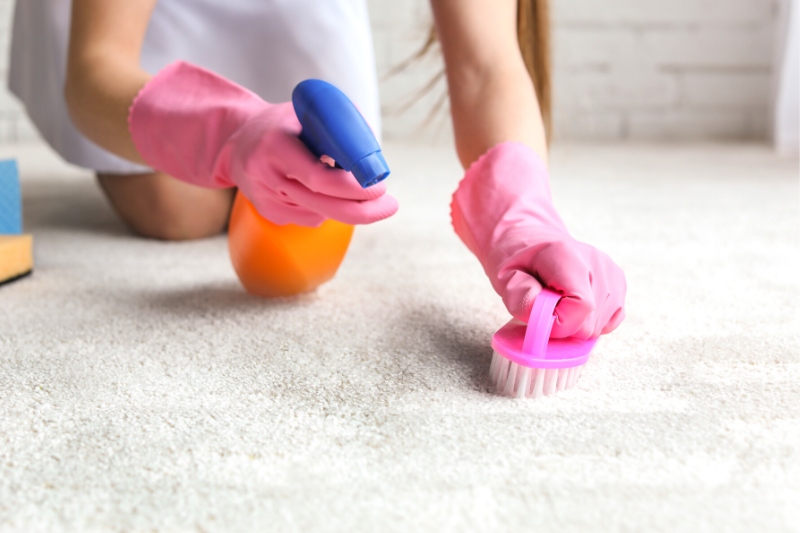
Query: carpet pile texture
x=142 y=389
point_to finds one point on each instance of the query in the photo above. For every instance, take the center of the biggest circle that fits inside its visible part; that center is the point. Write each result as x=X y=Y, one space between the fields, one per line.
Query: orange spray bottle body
x=283 y=260
x=273 y=260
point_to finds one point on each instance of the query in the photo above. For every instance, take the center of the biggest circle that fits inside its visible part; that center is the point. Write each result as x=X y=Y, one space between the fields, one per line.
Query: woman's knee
x=158 y=206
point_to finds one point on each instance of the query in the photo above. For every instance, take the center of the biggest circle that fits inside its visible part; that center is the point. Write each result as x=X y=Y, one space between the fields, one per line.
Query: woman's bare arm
x=492 y=97
x=103 y=72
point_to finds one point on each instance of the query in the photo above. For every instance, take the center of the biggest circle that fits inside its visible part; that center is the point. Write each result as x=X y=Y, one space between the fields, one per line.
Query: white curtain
x=787 y=87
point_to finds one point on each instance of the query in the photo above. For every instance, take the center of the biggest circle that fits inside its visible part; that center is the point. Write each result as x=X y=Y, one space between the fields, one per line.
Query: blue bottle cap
x=371 y=169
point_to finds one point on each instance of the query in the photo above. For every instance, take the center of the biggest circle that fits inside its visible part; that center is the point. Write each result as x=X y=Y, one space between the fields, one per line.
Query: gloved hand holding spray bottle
x=275 y=260
x=292 y=220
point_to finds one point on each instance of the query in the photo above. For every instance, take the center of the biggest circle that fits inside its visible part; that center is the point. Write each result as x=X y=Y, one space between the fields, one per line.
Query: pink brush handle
x=537 y=334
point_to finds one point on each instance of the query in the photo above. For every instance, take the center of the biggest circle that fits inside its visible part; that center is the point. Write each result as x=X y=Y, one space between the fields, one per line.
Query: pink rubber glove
x=203 y=129
x=503 y=212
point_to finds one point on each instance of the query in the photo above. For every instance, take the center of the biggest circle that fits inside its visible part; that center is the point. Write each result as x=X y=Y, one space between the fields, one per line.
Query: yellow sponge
x=16 y=257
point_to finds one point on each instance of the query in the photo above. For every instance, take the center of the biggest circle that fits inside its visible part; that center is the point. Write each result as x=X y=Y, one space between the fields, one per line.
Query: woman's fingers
x=343 y=210
x=302 y=166
x=575 y=317
x=591 y=284
x=283 y=212
x=561 y=266
x=518 y=292
x=614 y=322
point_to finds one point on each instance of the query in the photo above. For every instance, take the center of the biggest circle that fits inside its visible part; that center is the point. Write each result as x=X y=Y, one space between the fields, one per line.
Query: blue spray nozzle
x=333 y=126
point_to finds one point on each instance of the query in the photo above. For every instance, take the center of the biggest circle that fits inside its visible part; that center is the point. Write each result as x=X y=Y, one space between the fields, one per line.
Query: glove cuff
x=507 y=185
x=180 y=120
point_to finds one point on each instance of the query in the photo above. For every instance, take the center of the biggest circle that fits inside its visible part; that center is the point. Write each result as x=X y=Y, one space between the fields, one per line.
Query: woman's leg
x=158 y=206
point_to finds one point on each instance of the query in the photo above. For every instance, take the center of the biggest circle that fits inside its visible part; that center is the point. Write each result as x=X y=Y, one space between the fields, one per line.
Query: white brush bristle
x=513 y=379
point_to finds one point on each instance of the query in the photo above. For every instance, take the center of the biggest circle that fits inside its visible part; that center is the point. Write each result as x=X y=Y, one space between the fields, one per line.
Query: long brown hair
x=533 y=36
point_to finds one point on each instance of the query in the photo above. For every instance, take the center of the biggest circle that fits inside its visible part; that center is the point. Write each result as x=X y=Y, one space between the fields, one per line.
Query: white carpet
x=141 y=389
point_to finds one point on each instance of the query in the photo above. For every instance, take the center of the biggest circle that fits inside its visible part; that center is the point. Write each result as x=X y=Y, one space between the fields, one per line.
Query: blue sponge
x=10 y=199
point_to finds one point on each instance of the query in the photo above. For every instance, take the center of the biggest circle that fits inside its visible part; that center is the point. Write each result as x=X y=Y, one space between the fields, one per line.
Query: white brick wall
x=651 y=69
x=643 y=69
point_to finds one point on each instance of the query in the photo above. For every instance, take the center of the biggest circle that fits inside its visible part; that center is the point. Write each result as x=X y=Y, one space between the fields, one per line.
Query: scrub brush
x=527 y=363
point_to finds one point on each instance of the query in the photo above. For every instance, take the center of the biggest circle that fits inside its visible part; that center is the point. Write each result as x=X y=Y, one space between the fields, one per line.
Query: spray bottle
x=273 y=260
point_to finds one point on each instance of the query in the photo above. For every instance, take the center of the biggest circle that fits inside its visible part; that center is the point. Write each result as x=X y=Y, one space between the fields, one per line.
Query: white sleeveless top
x=266 y=45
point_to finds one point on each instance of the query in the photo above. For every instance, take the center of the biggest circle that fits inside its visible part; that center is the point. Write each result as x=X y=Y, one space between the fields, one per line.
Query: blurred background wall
x=624 y=69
